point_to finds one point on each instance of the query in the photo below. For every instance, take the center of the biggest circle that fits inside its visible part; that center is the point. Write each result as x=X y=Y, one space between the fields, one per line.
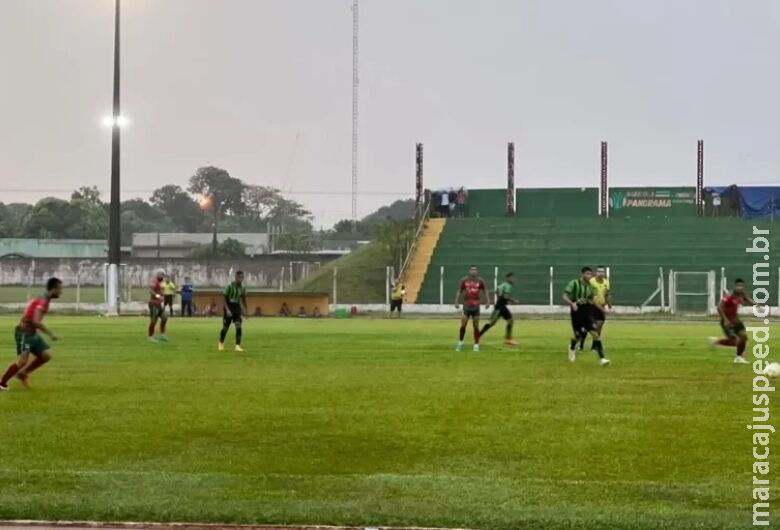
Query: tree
x=138 y=216
x=175 y=204
x=225 y=192
x=13 y=218
x=58 y=219
x=88 y=193
x=229 y=248
x=395 y=236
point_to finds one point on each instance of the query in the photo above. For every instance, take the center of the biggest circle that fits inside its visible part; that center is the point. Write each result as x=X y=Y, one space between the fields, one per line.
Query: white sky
x=263 y=89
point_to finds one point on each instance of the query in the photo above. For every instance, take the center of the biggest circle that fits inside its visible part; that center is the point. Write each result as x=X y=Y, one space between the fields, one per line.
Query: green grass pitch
x=374 y=422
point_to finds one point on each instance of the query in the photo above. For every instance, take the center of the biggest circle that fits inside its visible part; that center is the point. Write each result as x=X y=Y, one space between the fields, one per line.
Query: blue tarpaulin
x=756 y=202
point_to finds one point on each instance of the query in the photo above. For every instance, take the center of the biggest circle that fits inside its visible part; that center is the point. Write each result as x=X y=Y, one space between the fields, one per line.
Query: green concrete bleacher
x=633 y=248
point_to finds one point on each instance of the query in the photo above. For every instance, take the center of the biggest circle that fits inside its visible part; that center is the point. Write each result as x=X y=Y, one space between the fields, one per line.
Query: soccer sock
x=599 y=348
x=462 y=333
x=151 y=329
x=509 y=326
x=223 y=334
x=37 y=363
x=239 y=334
x=582 y=341
x=573 y=343
x=484 y=329
x=163 y=324
x=727 y=342
x=741 y=345
x=476 y=336
x=9 y=373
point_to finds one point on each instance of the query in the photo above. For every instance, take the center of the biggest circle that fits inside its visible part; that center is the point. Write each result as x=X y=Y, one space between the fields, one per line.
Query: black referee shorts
x=582 y=318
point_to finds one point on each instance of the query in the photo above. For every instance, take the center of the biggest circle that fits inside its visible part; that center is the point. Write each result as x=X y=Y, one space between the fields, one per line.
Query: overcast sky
x=263 y=89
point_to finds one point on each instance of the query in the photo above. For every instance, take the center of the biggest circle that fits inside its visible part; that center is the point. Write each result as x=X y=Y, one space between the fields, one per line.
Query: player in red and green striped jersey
x=730 y=323
x=27 y=336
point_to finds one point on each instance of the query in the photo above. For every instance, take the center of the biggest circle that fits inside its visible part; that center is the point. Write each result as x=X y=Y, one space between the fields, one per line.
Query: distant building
x=181 y=245
x=55 y=248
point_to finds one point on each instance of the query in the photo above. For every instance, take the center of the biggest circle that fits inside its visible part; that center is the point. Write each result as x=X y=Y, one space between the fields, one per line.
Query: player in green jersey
x=501 y=310
x=579 y=297
x=233 y=310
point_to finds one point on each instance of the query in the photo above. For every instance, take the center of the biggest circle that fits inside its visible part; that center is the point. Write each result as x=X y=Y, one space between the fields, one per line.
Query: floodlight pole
x=114 y=249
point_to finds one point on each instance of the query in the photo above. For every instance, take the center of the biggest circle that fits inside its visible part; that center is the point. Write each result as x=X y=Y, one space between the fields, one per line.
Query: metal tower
x=355 y=42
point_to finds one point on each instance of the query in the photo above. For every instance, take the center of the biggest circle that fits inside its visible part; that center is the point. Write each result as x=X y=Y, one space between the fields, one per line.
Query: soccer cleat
x=163 y=338
x=475 y=349
x=3 y=386
x=739 y=360
x=220 y=347
x=239 y=348
x=604 y=362
x=510 y=342
x=152 y=339
x=572 y=355
x=459 y=347
x=713 y=341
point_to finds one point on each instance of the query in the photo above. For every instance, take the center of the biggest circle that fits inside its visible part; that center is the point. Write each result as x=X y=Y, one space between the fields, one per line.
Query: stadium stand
x=633 y=248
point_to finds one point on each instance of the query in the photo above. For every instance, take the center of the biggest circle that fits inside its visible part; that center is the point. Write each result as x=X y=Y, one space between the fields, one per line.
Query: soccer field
x=373 y=422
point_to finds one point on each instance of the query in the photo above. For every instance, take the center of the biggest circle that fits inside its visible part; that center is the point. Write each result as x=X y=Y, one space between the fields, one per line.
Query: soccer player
x=27 y=336
x=602 y=301
x=397 y=297
x=234 y=307
x=472 y=293
x=501 y=310
x=156 y=308
x=169 y=291
x=732 y=326
x=579 y=297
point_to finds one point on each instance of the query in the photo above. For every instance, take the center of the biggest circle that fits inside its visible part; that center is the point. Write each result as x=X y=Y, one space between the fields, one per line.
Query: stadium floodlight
x=114 y=234
x=119 y=121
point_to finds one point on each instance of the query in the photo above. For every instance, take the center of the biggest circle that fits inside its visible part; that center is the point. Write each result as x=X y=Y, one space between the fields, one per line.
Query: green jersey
x=579 y=292
x=503 y=294
x=235 y=293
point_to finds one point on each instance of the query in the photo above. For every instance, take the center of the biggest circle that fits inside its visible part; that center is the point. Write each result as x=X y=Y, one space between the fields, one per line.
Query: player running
x=234 y=307
x=602 y=301
x=501 y=310
x=157 y=308
x=472 y=294
x=27 y=336
x=579 y=297
x=732 y=326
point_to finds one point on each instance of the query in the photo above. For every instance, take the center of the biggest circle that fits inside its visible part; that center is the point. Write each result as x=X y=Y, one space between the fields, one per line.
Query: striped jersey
x=579 y=292
x=234 y=293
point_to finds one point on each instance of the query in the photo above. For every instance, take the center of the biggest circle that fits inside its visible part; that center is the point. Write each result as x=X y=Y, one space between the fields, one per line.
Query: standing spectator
x=461 y=202
x=169 y=290
x=445 y=203
x=453 y=197
x=187 y=290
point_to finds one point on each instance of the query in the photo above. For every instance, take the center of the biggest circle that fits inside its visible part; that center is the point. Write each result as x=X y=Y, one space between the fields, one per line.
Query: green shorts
x=29 y=342
x=471 y=312
x=734 y=330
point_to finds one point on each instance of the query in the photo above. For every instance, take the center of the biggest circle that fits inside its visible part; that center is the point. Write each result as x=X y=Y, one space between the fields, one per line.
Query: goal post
x=693 y=292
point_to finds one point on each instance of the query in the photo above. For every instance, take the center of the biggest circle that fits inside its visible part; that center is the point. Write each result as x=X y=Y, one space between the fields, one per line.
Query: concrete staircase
x=421 y=258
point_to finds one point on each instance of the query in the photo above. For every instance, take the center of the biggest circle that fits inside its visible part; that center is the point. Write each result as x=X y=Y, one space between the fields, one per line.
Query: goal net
x=692 y=292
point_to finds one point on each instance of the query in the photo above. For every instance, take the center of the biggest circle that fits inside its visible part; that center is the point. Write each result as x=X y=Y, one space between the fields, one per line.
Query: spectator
x=211 y=310
x=258 y=311
x=461 y=202
x=285 y=311
x=187 y=290
x=444 y=208
x=302 y=312
x=316 y=313
x=169 y=290
x=453 y=198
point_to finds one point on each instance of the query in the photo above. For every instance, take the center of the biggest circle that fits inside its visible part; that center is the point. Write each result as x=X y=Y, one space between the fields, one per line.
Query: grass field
x=371 y=422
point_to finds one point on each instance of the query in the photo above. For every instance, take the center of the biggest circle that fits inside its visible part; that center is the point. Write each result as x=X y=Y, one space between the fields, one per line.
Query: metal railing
x=413 y=244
